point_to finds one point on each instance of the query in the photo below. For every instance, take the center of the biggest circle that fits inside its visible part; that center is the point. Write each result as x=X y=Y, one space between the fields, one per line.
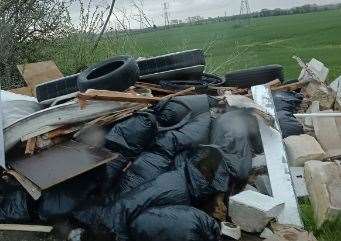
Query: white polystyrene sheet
x=9 y=96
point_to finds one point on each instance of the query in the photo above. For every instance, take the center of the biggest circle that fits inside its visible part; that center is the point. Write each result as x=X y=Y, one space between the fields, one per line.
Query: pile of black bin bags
x=174 y=156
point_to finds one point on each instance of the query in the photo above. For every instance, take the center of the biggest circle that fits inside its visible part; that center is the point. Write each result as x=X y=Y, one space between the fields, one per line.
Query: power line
x=245 y=11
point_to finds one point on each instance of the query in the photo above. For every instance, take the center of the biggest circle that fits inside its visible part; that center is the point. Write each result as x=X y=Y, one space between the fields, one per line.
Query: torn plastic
x=190 y=224
x=133 y=135
x=188 y=184
x=286 y=104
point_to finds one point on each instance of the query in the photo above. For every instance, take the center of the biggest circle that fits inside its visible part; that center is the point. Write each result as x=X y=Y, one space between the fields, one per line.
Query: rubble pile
x=168 y=151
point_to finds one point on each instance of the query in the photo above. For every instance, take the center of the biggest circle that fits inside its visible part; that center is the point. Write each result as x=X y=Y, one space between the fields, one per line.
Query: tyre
x=48 y=91
x=204 y=81
x=170 y=62
x=254 y=76
x=118 y=73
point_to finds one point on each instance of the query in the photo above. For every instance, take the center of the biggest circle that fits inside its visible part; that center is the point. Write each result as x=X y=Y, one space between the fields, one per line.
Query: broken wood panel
x=26 y=228
x=326 y=132
x=22 y=91
x=68 y=113
x=276 y=159
x=31 y=188
x=106 y=95
x=40 y=72
x=61 y=162
x=30 y=146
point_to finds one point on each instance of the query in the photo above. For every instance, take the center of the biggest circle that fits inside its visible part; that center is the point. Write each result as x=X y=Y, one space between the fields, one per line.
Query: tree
x=24 y=26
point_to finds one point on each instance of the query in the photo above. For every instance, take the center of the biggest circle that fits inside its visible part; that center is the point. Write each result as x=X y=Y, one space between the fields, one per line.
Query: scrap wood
x=62 y=131
x=107 y=95
x=26 y=228
x=29 y=186
x=154 y=87
x=40 y=72
x=108 y=119
x=288 y=87
x=182 y=92
x=30 y=146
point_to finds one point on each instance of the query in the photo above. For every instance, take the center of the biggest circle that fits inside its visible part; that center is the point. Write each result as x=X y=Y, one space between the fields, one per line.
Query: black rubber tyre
x=55 y=88
x=205 y=81
x=254 y=76
x=171 y=61
x=118 y=73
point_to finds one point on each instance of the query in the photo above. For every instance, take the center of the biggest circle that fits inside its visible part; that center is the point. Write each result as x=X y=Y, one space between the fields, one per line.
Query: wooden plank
x=326 y=132
x=288 y=87
x=26 y=228
x=30 y=146
x=30 y=187
x=276 y=159
x=23 y=91
x=106 y=95
x=40 y=72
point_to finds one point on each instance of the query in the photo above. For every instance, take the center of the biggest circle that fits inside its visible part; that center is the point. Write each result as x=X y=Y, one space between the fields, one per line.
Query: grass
x=271 y=40
x=330 y=231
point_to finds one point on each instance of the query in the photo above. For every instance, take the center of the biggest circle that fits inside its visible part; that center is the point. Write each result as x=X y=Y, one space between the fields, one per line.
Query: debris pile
x=156 y=149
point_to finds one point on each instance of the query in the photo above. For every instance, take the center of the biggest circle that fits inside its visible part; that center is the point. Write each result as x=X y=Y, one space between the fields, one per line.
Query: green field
x=228 y=46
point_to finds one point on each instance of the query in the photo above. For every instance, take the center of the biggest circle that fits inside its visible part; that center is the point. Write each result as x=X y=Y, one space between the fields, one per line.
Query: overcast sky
x=181 y=9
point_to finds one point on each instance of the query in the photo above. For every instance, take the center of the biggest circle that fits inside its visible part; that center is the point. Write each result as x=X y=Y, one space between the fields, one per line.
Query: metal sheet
x=61 y=162
x=276 y=159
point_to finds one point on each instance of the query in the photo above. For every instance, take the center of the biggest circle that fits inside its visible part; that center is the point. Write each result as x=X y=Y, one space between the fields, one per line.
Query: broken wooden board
x=40 y=72
x=68 y=113
x=30 y=187
x=26 y=228
x=326 y=132
x=61 y=162
x=22 y=91
x=276 y=159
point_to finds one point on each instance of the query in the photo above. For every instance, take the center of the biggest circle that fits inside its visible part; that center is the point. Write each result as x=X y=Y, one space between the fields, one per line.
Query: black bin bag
x=192 y=134
x=14 y=204
x=287 y=103
x=174 y=223
x=147 y=166
x=61 y=200
x=186 y=185
x=133 y=135
x=180 y=108
x=232 y=133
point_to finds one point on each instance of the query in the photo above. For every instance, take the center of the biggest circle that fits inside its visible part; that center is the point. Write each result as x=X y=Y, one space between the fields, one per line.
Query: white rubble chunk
x=323 y=181
x=297 y=176
x=303 y=148
x=258 y=161
x=267 y=233
x=252 y=211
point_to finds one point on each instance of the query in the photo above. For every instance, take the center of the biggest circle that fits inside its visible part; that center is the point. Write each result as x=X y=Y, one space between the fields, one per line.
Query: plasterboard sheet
x=276 y=159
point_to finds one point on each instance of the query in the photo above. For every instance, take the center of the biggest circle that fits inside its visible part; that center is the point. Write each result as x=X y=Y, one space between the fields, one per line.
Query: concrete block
x=323 y=94
x=303 y=148
x=249 y=187
x=267 y=233
x=297 y=176
x=252 y=211
x=323 y=181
